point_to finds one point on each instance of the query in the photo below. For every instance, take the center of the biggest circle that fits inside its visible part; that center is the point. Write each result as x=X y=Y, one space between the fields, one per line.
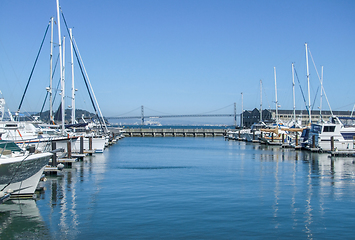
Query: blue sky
x=183 y=57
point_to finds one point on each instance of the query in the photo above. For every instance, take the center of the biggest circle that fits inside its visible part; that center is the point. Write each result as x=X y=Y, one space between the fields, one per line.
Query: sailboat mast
x=321 y=96
x=72 y=78
x=63 y=86
x=309 y=93
x=61 y=65
x=293 y=92
x=51 y=77
x=277 y=120
x=241 y=120
x=261 y=100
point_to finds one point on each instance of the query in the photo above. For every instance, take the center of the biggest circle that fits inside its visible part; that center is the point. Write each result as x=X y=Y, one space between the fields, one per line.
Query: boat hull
x=21 y=174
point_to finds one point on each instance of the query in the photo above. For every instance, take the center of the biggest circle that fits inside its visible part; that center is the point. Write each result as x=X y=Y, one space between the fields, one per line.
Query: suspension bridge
x=143 y=117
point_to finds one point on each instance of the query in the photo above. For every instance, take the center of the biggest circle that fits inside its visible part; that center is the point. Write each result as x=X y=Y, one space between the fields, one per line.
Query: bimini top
x=9 y=145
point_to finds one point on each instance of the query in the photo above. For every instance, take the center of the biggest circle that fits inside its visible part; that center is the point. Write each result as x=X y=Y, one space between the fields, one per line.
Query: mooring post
x=313 y=141
x=296 y=139
x=54 y=157
x=81 y=145
x=283 y=138
x=332 y=143
x=253 y=135
x=69 y=148
x=90 y=143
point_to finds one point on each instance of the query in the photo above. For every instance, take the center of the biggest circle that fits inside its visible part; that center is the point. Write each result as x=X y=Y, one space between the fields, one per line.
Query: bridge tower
x=142 y=115
x=235 y=114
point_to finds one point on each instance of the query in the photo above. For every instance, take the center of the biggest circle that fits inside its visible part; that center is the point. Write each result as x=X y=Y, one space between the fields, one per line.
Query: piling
x=332 y=143
x=54 y=156
x=90 y=143
x=81 y=145
x=69 y=148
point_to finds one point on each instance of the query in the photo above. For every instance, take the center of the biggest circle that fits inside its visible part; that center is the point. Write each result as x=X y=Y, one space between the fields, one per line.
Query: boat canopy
x=9 y=145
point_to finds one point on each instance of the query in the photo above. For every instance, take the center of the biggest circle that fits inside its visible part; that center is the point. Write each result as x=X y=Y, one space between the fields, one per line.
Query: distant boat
x=20 y=171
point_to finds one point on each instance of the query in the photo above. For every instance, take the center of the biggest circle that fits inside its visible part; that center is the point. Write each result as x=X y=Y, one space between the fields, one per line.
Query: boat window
x=305 y=132
x=328 y=128
x=11 y=125
x=316 y=128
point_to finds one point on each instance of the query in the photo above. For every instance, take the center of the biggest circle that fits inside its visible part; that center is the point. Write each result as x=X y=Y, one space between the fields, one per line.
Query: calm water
x=191 y=188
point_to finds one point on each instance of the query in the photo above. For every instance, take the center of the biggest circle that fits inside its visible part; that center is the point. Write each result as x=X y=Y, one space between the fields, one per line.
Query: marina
x=196 y=159
x=197 y=187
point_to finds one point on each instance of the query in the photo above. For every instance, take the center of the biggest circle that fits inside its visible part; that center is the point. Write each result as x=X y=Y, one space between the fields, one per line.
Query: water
x=191 y=188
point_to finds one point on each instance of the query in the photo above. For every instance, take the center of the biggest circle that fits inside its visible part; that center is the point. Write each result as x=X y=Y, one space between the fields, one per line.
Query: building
x=251 y=117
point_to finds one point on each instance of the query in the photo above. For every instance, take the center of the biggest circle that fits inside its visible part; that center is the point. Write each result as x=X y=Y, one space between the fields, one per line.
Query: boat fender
x=60 y=166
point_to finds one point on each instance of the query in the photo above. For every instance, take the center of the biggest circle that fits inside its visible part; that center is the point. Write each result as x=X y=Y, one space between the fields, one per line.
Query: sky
x=183 y=56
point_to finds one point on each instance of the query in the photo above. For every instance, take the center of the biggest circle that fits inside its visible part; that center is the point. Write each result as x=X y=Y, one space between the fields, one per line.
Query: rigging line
x=81 y=69
x=44 y=103
x=299 y=84
x=315 y=96
x=325 y=94
x=350 y=104
x=33 y=68
x=93 y=93
x=56 y=91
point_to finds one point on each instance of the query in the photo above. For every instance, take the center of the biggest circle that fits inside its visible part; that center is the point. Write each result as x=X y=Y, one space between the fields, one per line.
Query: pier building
x=251 y=117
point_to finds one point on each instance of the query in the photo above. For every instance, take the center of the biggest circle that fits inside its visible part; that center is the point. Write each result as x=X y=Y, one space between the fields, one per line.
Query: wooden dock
x=173 y=132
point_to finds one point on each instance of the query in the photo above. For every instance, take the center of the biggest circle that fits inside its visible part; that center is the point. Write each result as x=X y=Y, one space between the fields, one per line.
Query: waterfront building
x=251 y=117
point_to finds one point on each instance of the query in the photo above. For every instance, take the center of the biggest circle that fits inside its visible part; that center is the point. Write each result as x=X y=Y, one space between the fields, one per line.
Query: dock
x=173 y=132
x=349 y=153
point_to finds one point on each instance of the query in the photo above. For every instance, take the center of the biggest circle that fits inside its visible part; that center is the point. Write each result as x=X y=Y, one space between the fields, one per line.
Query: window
x=328 y=128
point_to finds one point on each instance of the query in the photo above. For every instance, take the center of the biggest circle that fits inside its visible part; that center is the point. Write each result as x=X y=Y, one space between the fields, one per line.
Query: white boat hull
x=21 y=174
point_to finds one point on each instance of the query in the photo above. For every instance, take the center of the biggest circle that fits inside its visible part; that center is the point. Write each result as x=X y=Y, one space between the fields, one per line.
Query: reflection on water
x=21 y=219
x=188 y=188
x=312 y=180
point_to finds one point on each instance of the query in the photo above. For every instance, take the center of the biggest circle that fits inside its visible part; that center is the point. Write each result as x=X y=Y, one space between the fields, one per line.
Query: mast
x=277 y=120
x=63 y=87
x=61 y=66
x=261 y=101
x=242 y=112
x=321 y=96
x=72 y=78
x=51 y=77
x=293 y=91
x=309 y=93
